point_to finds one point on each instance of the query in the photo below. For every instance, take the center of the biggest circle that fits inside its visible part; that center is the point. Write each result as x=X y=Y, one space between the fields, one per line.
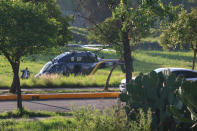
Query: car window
x=186 y=74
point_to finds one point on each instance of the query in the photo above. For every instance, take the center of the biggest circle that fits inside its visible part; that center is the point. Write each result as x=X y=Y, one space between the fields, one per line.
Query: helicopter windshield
x=46 y=67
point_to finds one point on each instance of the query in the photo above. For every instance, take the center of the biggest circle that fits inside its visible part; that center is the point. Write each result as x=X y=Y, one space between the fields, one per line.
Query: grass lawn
x=36 y=62
x=52 y=124
x=63 y=91
x=25 y=121
x=82 y=119
x=28 y=114
x=144 y=61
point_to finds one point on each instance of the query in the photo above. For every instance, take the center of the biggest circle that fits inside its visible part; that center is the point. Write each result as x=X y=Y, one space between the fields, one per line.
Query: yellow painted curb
x=61 y=96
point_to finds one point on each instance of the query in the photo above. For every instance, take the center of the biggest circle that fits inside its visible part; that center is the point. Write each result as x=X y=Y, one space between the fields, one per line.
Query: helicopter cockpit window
x=91 y=58
x=54 y=69
x=46 y=67
x=72 y=59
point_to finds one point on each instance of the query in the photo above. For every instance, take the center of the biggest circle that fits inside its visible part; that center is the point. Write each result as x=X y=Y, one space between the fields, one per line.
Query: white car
x=190 y=75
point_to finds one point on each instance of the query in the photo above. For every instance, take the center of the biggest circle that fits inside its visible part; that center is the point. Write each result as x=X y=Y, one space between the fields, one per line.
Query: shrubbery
x=159 y=93
x=84 y=119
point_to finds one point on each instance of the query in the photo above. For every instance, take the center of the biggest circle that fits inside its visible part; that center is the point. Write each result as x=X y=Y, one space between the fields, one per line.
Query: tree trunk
x=194 y=59
x=16 y=84
x=109 y=76
x=127 y=56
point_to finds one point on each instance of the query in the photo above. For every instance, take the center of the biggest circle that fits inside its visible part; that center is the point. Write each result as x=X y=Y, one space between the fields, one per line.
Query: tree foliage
x=24 y=34
x=99 y=10
x=53 y=11
x=28 y=32
x=158 y=92
x=124 y=30
x=95 y=10
x=182 y=31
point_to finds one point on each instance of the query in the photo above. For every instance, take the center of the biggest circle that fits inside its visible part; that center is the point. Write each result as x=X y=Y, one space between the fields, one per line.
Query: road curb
x=61 y=96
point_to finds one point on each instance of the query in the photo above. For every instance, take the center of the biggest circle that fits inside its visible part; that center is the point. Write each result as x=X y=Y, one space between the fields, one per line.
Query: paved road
x=59 y=105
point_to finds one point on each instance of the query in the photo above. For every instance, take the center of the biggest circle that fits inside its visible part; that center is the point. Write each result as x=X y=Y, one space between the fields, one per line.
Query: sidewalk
x=47 y=96
x=61 y=96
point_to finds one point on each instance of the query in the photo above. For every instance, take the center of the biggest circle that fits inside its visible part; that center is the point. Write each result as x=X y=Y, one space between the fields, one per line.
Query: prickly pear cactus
x=156 y=92
x=188 y=95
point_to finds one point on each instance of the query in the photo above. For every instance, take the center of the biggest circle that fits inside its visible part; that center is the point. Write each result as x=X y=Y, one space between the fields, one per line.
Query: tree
x=124 y=30
x=53 y=11
x=96 y=10
x=28 y=32
x=182 y=31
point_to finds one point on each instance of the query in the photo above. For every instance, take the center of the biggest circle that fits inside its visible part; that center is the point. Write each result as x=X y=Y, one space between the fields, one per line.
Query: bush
x=156 y=92
x=114 y=119
x=143 y=122
x=187 y=93
x=84 y=119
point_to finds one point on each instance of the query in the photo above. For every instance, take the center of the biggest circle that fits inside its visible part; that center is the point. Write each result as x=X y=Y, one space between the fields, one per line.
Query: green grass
x=97 y=80
x=36 y=62
x=150 y=39
x=79 y=31
x=69 y=91
x=83 y=119
x=63 y=91
x=53 y=124
x=144 y=61
x=28 y=114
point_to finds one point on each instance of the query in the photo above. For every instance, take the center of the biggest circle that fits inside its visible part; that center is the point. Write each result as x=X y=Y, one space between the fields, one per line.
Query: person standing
x=25 y=73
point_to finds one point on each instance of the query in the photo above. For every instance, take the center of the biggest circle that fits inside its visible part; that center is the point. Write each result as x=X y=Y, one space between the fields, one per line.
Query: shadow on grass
x=144 y=67
x=140 y=66
x=26 y=113
x=65 y=85
x=171 y=56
